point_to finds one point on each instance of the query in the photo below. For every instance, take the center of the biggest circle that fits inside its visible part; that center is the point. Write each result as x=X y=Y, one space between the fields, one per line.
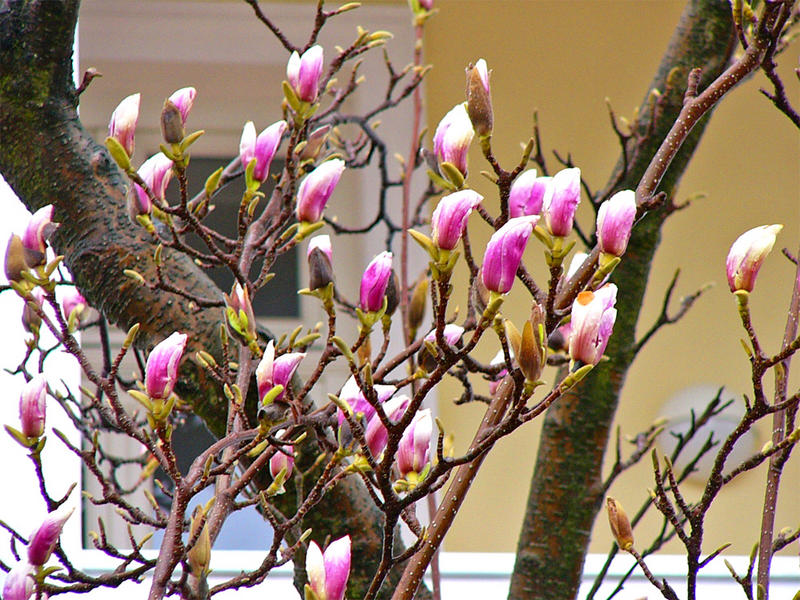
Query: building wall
x=563 y=58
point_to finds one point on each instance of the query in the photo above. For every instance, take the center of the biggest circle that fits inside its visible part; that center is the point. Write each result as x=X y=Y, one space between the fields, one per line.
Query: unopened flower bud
x=183 y=99
x=15 y=263
x=282 y=459
x=417 y=304
x=593 y=316
x=453 y=137
x=527 y=194
x=172 y=129
x=376 y=434
x=615 y=222
x=449 y=219
x=413 y=452
x=239 y=310
x=504 y=253
x=161 y=371
x=156 y=172
x=44 y=539
x=451 y=333
x=479 y=98
x=374 y=282
x=327 y=573
x=320 y=269
x=33 y=407
x=31 y=320
x=747 y=254
x=272 y=371
x=314 y=143
x=262 y=147
x=122 y=126
x=316 y=189
x=620 y=525
x=199 y=556
x=38 y=230
x=531 y=353
x=72 y=303
x=392 y=293
x=303 y=73
x=19 y=583
x=561 y=200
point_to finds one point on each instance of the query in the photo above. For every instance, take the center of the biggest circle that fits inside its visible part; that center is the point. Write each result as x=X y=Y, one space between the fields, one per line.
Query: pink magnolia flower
x=161 y=371
x=273 y=371
x=73 y=302
x=374 y=282
x=527 y=194
x=747 y=254
x=183 y=99
x=303 y=73
x=19 y=583
x=593 y=316
x=358 y=403
x=414 y=448
x=44 y=539
x=499 y=359
x=450 y=217
x=33 y=406
x=452 y=334
x=122 y=126
x=453 y=137
x=328 y=572
x=561 y=200
x=504 y=253
x=282 y=459
x=376 y=434
x=316 y=189
x=156 y=172
x=426 y=4
x=38 y=229
x=262 y=147
x=615 y=222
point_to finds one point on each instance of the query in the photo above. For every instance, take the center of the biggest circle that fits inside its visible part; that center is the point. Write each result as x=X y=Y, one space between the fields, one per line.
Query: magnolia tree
x=342 y=467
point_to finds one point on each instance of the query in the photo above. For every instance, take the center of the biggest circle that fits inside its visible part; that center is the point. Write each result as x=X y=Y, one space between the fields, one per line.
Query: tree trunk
x=564 y=494
x=47 y=157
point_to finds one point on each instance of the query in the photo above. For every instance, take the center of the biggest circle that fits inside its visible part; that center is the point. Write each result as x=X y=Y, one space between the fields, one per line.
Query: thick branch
x=564 y=496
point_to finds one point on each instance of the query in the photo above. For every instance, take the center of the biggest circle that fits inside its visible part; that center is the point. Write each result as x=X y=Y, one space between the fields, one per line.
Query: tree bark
x=47 y=157
x=564 y=496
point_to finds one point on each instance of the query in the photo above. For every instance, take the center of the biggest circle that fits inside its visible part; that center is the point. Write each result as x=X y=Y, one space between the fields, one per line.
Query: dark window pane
x=279 y=297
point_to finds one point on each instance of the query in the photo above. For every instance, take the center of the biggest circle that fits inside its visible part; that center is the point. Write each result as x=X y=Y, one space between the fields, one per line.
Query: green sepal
x=273 y=393
x=22 y=439
x=141 y=398
x=440 y=181
x=135 y=275
x=573 y=378
x=118 y=153
x=212 y=183
x=190 y=139
x=260 y=447
x=306 y=228
x=343 y=348
x=309 y=594
x=426 y=243
x=291 y=97
x=452 y=174
x=251 y=184
x=276 y=487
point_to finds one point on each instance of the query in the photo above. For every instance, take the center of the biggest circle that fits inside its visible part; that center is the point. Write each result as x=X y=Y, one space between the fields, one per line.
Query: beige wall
x=564 y=58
